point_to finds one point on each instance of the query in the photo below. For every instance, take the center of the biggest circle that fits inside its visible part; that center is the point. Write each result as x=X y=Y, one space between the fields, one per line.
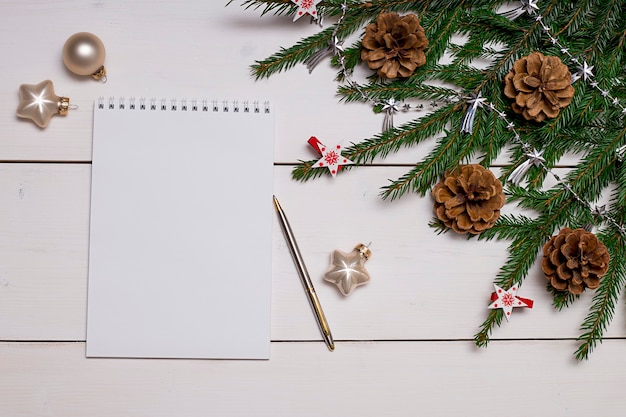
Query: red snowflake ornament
x=305 y=7
x=331 y=156
x=507 y=300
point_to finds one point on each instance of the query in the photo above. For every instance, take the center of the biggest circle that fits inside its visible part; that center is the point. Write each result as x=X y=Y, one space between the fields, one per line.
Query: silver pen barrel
x=304 y=276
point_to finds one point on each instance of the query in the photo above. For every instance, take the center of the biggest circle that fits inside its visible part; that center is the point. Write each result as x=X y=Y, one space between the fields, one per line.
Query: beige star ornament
x=38 y=102
x=346 y=270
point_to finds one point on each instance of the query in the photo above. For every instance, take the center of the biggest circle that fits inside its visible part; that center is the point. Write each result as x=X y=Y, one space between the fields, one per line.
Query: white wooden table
x=404 y=341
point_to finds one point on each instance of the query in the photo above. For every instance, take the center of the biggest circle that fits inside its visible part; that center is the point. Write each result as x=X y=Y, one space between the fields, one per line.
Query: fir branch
x=508 y=227
x=407 y=135
x=494 y=318
x=561 y=299
x=399 y=91
x=605 y=298
x=448 y=153
x=278 y=6
x=577 y=19
x=288 y=57
x=609 y=16
x=440 y=27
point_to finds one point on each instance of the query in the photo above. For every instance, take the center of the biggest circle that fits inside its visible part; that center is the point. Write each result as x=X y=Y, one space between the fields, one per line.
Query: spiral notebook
x=181 y=229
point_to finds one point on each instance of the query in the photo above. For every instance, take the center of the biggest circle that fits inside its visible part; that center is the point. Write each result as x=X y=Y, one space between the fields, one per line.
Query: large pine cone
x=394 y=45
x=540 y=85
x=469 y=199
x=574 y=260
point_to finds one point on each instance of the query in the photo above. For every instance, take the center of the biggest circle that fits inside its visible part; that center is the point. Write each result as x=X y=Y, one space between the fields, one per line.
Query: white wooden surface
x=404 y=340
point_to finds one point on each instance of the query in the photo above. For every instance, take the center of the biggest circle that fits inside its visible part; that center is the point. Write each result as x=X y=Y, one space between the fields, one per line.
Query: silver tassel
x=621 y=153
x=588 y=227
x=534 y=158
x=527 y=6
x=476 y=101
x=334 y=47
x=319 y=19
x=390 y=107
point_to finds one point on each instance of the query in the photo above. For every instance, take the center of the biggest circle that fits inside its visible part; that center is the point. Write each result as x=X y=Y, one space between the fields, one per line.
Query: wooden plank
x=304 y=379
x=424 y=286
x=44 y=230
x=171 y=53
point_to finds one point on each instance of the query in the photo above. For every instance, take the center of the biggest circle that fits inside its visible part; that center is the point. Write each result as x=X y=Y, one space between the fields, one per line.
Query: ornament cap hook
x=100 y=74
x=363 y=250
x=64 y=105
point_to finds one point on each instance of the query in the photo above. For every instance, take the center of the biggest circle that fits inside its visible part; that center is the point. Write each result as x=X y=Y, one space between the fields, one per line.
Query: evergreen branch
x=509 y=226
x=278 y=6
x=561 y=299
x=440 y=29
x=439 y=226
x=605 y=298
x=606 y=23
x=614 y=64
x=494 y=318
x=288 y=57
x=427 y=172
x=399 y=91
x=497 y=137
x=409 y=134
x=578 y=18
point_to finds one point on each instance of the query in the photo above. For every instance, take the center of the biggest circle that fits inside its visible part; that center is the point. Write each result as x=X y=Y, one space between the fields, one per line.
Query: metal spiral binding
x=182 y=105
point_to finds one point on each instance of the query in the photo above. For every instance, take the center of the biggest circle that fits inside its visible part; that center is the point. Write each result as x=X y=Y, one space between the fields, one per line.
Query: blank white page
x=180 y=256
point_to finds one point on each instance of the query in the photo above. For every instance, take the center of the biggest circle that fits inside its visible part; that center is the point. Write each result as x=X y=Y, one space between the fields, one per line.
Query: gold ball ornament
x=83 y=54
x=39 y=103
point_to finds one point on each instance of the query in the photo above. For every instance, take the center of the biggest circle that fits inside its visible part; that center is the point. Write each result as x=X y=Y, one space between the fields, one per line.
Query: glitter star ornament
x=346 y=270
x=507 y=300
x=305 y=7
x=39 y=103
x=331 y=156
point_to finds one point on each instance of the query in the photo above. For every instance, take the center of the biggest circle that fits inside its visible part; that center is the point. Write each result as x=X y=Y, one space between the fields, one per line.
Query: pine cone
x=574 y=260
x=469 y=199
x=540 y=85
x=394 y=45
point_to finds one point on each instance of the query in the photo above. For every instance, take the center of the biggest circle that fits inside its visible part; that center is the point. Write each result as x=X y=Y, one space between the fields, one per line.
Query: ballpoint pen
x=304 y=276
